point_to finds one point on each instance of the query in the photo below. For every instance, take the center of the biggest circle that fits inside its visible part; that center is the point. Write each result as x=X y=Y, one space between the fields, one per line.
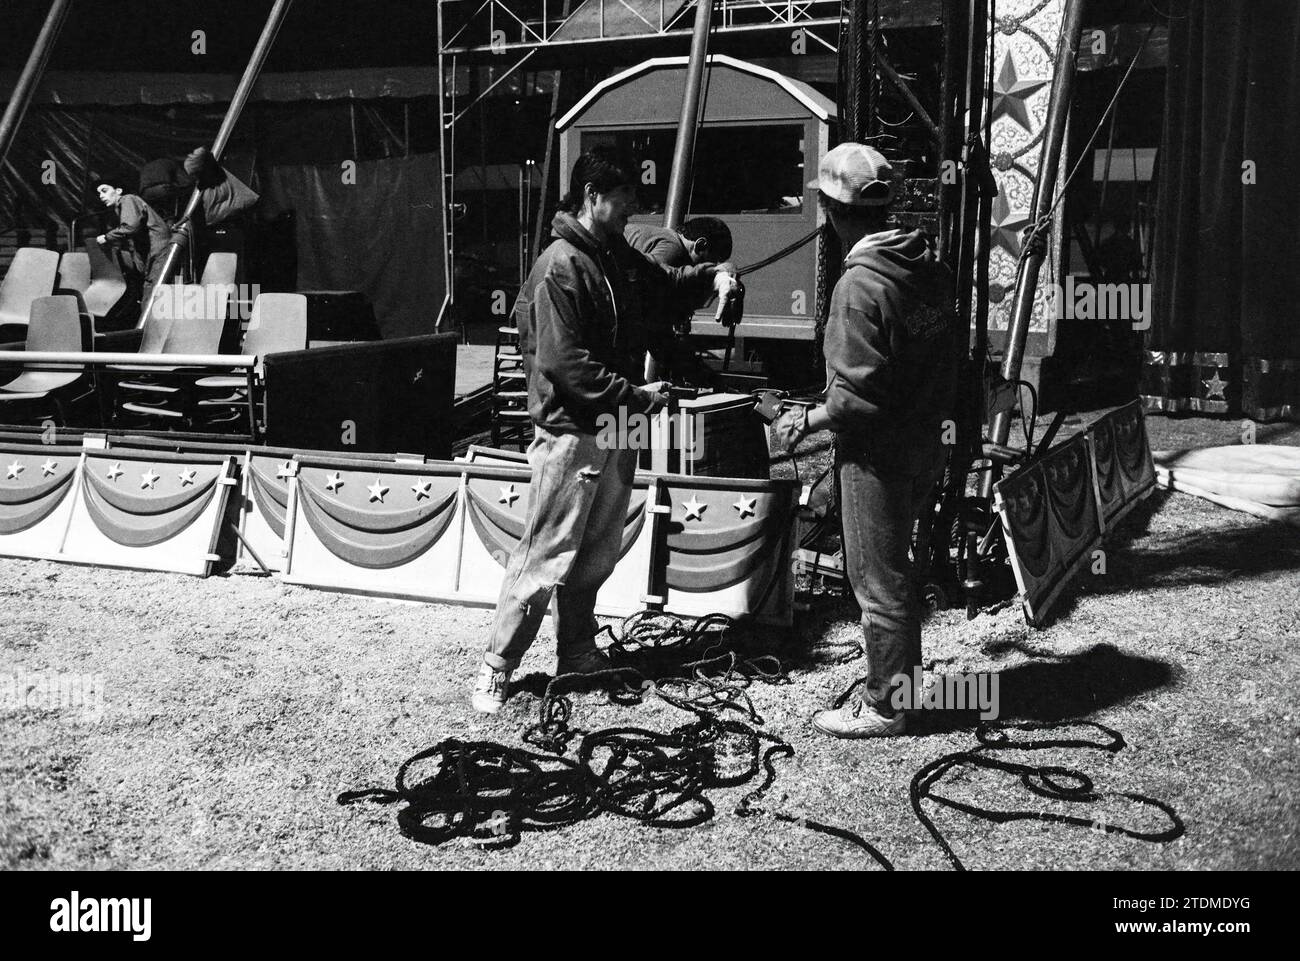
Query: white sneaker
x=490 y=689
x=856 y=719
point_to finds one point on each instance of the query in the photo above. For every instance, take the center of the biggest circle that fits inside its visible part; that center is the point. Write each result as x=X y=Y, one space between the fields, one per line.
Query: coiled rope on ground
x=489 y=794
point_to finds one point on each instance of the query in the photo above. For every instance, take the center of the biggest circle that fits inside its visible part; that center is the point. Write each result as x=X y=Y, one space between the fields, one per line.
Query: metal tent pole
x=1044 y=200
x=25 y=88
x=684 y=149
x=237 y=102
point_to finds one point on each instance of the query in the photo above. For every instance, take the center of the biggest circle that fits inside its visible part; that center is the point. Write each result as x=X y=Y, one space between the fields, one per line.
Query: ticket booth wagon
x=759 y=143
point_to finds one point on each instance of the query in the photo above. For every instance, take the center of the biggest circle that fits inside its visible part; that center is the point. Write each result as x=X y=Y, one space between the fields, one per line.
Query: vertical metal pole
x=444 y=193
x=950 y=111
x=24 y=89
x=977 y=38
x=237 y=102
x=1044 y=200
x=684 y=149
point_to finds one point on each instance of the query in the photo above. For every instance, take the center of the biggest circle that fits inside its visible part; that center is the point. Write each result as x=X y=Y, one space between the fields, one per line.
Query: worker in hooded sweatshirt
x=891 y=354
x=583 y=335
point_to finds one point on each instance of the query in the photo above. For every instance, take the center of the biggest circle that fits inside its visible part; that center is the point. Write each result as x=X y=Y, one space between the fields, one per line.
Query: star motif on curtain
x=694 y=509
x=149 y=478
x=114 y=471
x=1010 y=94
x=422 y=489
x=1006 y=226
x=187 y=476
x=377 y=491
x=1214 y=387
x=15 y=469
x=745 y=505
x=333 y=482
x=508 y=495
x=284 y=470
x=48 y=468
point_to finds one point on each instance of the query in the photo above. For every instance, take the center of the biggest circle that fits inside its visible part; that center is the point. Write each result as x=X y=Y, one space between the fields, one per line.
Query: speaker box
x=339 y=316
x=393 y=396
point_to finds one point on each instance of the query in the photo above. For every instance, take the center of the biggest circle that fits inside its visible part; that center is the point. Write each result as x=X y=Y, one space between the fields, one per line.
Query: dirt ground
x=220 y=718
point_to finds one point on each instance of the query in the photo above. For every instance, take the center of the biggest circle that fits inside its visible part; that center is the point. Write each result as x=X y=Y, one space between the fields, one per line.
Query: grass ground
x=235 y=709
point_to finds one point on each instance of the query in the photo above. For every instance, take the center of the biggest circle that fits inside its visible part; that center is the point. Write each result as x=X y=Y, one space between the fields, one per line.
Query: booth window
x=754 y=169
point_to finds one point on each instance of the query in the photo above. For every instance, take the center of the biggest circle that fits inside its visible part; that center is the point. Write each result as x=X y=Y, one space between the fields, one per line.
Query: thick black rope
x=1051 y=782
x=489 y=794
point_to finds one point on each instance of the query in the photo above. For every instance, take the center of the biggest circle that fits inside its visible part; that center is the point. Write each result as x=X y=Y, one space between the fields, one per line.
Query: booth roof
x=814 y=102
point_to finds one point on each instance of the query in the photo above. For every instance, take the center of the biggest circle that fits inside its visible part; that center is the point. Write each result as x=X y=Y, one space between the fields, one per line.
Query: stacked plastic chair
x=32 y=274
x=46 y=391
x=194 y=317
x=278 y=323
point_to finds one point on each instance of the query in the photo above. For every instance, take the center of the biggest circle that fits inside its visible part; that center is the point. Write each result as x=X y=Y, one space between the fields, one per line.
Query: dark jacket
x=891 y=348
x=661 y=244
x=583 y=330
x=141 y=233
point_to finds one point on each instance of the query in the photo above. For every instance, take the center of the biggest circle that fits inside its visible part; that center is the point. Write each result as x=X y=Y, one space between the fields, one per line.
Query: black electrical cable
x=1050 y=782
x=489 y=794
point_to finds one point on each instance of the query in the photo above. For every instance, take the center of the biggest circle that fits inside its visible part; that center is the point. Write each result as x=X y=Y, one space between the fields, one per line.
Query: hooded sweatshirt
x=583 y=330
x=891 y=347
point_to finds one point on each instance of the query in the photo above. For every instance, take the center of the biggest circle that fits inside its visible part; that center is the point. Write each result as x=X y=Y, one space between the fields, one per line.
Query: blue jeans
x=573 y=535
x=879 y=506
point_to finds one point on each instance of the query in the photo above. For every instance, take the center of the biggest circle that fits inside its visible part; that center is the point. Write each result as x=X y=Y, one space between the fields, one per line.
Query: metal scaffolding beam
x=495 y=27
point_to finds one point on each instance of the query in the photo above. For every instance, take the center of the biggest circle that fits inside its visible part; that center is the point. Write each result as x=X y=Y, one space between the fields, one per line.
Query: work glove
x=656 y=395
x=790 y=427
x=726 y=286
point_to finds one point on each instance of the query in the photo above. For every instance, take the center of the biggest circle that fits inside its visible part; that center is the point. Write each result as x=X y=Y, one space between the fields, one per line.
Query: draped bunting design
x=32 y=486
x=498 y=511
x=150 y=510
x=376 y=520
x=427 y=530
x=728 y=549
x=1122 y=462
x=151 y=513
x=1029 y=518
x=1055 y=510
x=719 y=548
x=1049 y=514
x=270 y=493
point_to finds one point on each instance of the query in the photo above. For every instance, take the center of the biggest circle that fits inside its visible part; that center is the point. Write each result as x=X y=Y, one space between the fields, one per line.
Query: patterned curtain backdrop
x=1022 y=49
x=1225 y=335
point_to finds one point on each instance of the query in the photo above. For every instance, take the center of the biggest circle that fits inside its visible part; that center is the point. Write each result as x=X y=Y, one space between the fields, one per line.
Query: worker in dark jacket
x=701 y=240
x=891 y=379
x=583 y=338
x=140 y=239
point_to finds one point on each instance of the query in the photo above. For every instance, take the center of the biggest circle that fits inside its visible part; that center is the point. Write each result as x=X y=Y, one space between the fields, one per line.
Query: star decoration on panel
x=186 y=476
x=422 y=489
x=1007 y=225
x=284 y=470
x=377 y=491
x=508 y=495
x=745 y=505
x=114 y=471
x=333 y=482
x=1215 y=388
x=48 y=468
x=694 y=509
x=15 y=469
x=1010 y=94
x=148 y=479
